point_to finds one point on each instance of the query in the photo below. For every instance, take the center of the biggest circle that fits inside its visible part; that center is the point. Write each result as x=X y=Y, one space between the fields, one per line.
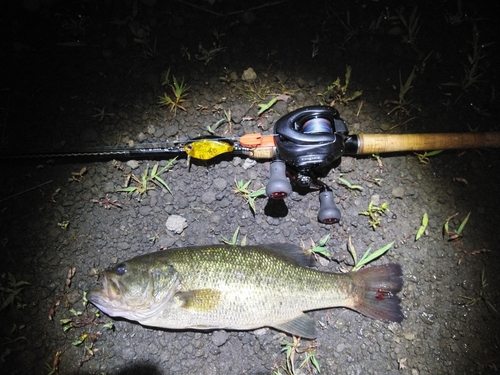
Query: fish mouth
x=108 y=299
x=113 y=301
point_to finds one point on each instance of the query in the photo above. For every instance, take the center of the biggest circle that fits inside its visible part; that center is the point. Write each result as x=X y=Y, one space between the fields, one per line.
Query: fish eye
x=121 y=269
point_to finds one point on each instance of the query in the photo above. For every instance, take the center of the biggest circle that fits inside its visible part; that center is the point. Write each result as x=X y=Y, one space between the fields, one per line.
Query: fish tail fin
x=378 y=288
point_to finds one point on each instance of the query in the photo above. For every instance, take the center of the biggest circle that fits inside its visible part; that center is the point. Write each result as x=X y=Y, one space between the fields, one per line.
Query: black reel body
x=309 y=141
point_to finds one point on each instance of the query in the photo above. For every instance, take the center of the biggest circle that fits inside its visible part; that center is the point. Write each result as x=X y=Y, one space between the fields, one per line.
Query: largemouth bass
x=242 y=288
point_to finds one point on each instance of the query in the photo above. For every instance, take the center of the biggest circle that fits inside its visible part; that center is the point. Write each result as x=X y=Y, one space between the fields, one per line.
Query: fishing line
x=317 y=125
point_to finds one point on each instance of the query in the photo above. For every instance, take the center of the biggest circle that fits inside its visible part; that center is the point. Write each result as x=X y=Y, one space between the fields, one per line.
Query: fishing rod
x=307 y=143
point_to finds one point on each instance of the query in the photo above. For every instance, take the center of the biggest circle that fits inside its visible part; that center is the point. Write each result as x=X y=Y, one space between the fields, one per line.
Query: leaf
x=368 y=258
x=462 y=225
x=423 y=227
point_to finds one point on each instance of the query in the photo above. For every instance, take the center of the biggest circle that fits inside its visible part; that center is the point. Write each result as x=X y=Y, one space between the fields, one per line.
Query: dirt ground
x=87 y=74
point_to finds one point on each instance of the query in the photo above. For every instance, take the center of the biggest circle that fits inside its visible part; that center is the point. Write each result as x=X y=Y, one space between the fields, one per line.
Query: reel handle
x=278 y=186
x=328 y=211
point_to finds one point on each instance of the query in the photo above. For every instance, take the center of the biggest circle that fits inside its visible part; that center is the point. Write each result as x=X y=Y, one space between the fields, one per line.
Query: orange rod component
x=381 y=143
x=253 y=140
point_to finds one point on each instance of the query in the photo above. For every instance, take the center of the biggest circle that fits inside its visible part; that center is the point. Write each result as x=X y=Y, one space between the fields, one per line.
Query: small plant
x=475 y=67
x=481 y=295
x=180 y=94
x=423 y=227
x=78 y=176
x=402 y=103
x=456 y=233
x=367 y=257
x=107 y=202
x=412 y=26
x=374 y=213
x=234 y=239
x=379 y=161
x=319 y=248
x=142 y=185
x=338 y=92
x=424 y=158
x=206 y=55
x=80 y=319
x=267 y=106
x=227 y=119
x=10 y=290
x=348 y=185
x=291 y=349
x=249 y=196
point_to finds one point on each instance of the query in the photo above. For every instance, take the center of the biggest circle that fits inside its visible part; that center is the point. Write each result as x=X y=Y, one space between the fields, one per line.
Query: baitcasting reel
x=309 y=143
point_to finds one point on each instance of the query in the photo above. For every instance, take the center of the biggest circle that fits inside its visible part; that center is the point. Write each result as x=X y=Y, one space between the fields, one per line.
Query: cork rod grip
x=382 y=143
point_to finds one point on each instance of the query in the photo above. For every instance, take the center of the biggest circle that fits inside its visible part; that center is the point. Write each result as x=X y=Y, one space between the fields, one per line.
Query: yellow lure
x=206 y=149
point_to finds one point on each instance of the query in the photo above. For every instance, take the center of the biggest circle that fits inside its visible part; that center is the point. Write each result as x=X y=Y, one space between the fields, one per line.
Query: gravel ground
x=85 y=74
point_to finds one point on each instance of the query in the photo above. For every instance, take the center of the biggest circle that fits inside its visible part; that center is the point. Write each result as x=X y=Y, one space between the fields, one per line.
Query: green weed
x=423 y=227
x=348 y=185
x=143 y=184
x=402 y=103
x=374 y=213
x=480 y=295
x=180 y=94
x=456 y=233
x=249 y=196
x=337 y=92
x=234 y=239
x=10 y=290
x=291 y=349
x=424 y=158
x=319 y=248
x=367 y=256
x=227 y=119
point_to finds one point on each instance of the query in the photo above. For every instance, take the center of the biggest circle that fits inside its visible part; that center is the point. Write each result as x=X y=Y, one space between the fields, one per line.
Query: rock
x=398 y=192
x=176 y=224
x=219 y=338
x=249 y=75
x=134 y=164
x=248 y=163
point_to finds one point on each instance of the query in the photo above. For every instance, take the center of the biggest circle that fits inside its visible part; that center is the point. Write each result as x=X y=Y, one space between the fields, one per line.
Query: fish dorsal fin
x=302 y=325
x=199 y=299
x=291 y=253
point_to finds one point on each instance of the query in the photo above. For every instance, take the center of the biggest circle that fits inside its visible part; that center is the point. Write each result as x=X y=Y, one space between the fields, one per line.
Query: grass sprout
x=142 y=185
x=249 y=196
x=180 y=94
x=423 y=227
x=424 y=158
x=234 y=239
x=348 y=185
x=456 y=233
x=402 y=103
x=374 y=213
x=480 y=295
x=367 y=257
x=338 y=91
x=319 y=248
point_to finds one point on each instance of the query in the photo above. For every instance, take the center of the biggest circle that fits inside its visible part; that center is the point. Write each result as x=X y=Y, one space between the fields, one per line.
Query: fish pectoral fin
x=199 y=299
x=302 y=326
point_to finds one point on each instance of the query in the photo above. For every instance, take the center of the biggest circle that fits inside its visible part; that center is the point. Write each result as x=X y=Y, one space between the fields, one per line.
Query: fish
x=242 y=288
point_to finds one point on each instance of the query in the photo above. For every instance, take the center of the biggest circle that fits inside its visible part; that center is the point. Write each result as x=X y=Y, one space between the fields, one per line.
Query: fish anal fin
x=199 y=299
x=302 y=325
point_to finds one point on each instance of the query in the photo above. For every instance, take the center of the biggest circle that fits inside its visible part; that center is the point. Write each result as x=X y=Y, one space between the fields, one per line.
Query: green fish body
x=242 y=288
